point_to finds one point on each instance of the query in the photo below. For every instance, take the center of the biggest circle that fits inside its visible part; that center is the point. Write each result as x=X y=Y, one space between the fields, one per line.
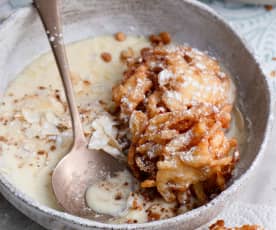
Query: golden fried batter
x=165 y=78
x=177 y=102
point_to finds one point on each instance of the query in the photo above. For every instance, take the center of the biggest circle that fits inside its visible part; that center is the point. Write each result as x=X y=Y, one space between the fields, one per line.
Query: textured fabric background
x=257 y=26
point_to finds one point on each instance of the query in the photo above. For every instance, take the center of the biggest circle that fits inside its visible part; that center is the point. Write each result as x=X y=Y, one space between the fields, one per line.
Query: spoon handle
x=50 y=15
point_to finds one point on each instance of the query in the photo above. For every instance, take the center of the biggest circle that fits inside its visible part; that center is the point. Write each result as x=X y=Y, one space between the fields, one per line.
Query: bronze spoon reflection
x=81 y=167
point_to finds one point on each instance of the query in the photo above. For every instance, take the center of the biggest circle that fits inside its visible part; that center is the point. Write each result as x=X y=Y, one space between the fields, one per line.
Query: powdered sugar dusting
x=164 y=77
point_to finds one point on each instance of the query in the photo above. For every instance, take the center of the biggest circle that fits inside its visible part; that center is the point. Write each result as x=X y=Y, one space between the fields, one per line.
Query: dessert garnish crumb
x=126 y=54
x=163 y=38
x=220 y=225
x=120 y=36
x=118 y=196
x=273 y=73
x=268 y=7
x=106 y=57
x=3 y=139
x=41 y=152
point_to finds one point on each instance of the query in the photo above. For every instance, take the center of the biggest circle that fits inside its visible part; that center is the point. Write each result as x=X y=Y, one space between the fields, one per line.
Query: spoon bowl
x=76 y=172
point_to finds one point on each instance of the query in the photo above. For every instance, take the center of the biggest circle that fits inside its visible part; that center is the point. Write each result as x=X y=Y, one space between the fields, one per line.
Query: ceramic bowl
x=23 y=39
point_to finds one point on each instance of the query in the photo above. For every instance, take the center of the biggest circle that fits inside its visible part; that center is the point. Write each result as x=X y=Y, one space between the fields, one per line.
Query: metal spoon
x=80 y=167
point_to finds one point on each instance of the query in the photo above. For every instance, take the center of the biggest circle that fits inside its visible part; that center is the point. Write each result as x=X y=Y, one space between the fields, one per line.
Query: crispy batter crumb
x=86 y=134
x=126 y=54
x=187 y=58
x=148 y=184
x=136 y=205
x=106 y=57
x=3 y=139
x=268 y=7
x=118 y=196
x=155 y=39
x=220 y=225
x=53 y=148
x=273 y=73
x=41 y=152
x=86 y=82
x=57 y=96
x=153 y=215
x=165 y=37
x=131 y=221
x=120 y=36
x=62 y=127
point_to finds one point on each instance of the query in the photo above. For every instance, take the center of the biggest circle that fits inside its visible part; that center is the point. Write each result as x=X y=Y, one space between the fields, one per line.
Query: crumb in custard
x=86 y=134
x=131 y=221
x=136 y=205
x=53 y=148
x=120 y=36
x=86 y=82
x=106 y=57
x=62 y=127
x=41 y=152
x=3 y=139
x=126 y=54
x=41 y=87
x=118 y=196
x=152 y=216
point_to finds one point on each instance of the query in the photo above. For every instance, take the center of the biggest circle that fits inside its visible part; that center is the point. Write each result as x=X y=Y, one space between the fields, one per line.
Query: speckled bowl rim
x=167 y=222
